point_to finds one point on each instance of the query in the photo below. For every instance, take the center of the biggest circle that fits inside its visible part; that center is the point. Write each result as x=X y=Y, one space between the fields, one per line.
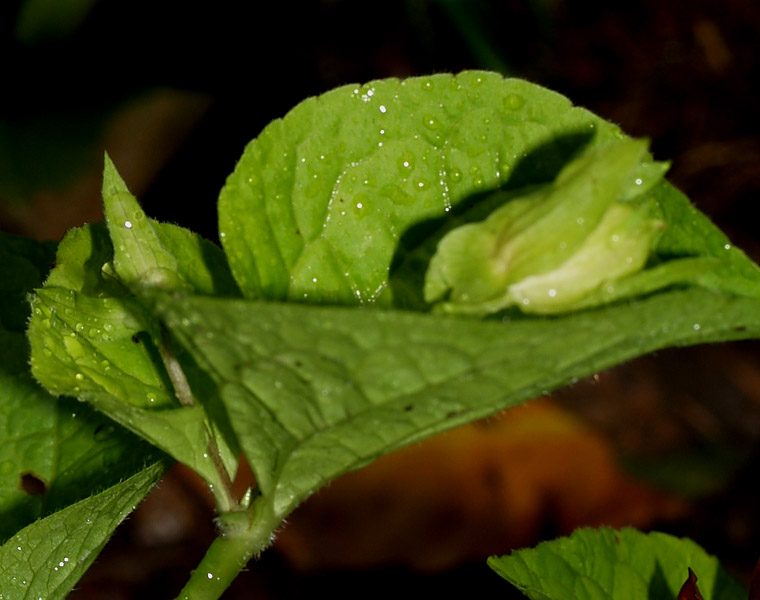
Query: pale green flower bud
x=546 y=250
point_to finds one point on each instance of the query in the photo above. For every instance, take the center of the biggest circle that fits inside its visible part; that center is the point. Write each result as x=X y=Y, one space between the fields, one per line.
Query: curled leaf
x=546 y=250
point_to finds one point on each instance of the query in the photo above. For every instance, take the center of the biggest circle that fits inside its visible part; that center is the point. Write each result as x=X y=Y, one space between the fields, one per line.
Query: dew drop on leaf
x=454 y=175
x=514 y=102
x=430 y=122
x=405 y=165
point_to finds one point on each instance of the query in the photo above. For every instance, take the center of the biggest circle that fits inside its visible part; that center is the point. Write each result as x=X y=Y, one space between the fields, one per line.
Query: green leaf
x=54 y=452
x=59 y=448
x=546 y=250
x=321 y=203
x=604 y=564
x=47 y=558
x=93 y=335
x=313 y=392
x=345 y=200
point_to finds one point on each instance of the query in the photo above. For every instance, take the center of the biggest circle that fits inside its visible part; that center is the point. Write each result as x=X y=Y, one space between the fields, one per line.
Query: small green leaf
x=94 y=337
x=604 y=564
x=139 y=258
x=47 y=558
x=54 y=452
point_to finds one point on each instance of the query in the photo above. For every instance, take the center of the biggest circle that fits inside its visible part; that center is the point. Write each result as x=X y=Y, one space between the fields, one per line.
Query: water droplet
x=727 y=247
x=73 y=347
x=222 y=234
x=514 y=102
x=79 y=377
x=454 y=175
x=552 y=293
x=405 y=165
x=128 y=224
x=430 y=122
x=362 y=206
x=383 y=109
x=697 y=327
x=396 y=195
x=210 y=575
x=638 y=181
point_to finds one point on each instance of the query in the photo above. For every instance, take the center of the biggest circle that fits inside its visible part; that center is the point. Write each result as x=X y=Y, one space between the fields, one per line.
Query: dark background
x=174 y=93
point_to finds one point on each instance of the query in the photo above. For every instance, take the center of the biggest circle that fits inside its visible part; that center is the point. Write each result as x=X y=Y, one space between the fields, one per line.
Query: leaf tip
x=112 y=181
x=689 y=590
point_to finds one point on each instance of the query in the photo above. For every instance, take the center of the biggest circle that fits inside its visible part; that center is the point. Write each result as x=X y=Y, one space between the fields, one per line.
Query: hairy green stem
x=230 y=552
x=224 y=494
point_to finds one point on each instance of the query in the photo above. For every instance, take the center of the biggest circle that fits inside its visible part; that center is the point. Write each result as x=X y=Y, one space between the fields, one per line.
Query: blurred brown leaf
x=481 y=489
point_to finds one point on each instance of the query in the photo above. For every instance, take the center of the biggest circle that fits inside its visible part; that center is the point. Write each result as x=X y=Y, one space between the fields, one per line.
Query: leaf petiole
x=225 y=498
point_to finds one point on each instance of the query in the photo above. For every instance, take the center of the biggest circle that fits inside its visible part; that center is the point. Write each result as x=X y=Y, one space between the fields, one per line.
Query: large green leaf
x=603 y=564
x=318 y=204
x=47 y=558
x=315 y=391
x=344 y=200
